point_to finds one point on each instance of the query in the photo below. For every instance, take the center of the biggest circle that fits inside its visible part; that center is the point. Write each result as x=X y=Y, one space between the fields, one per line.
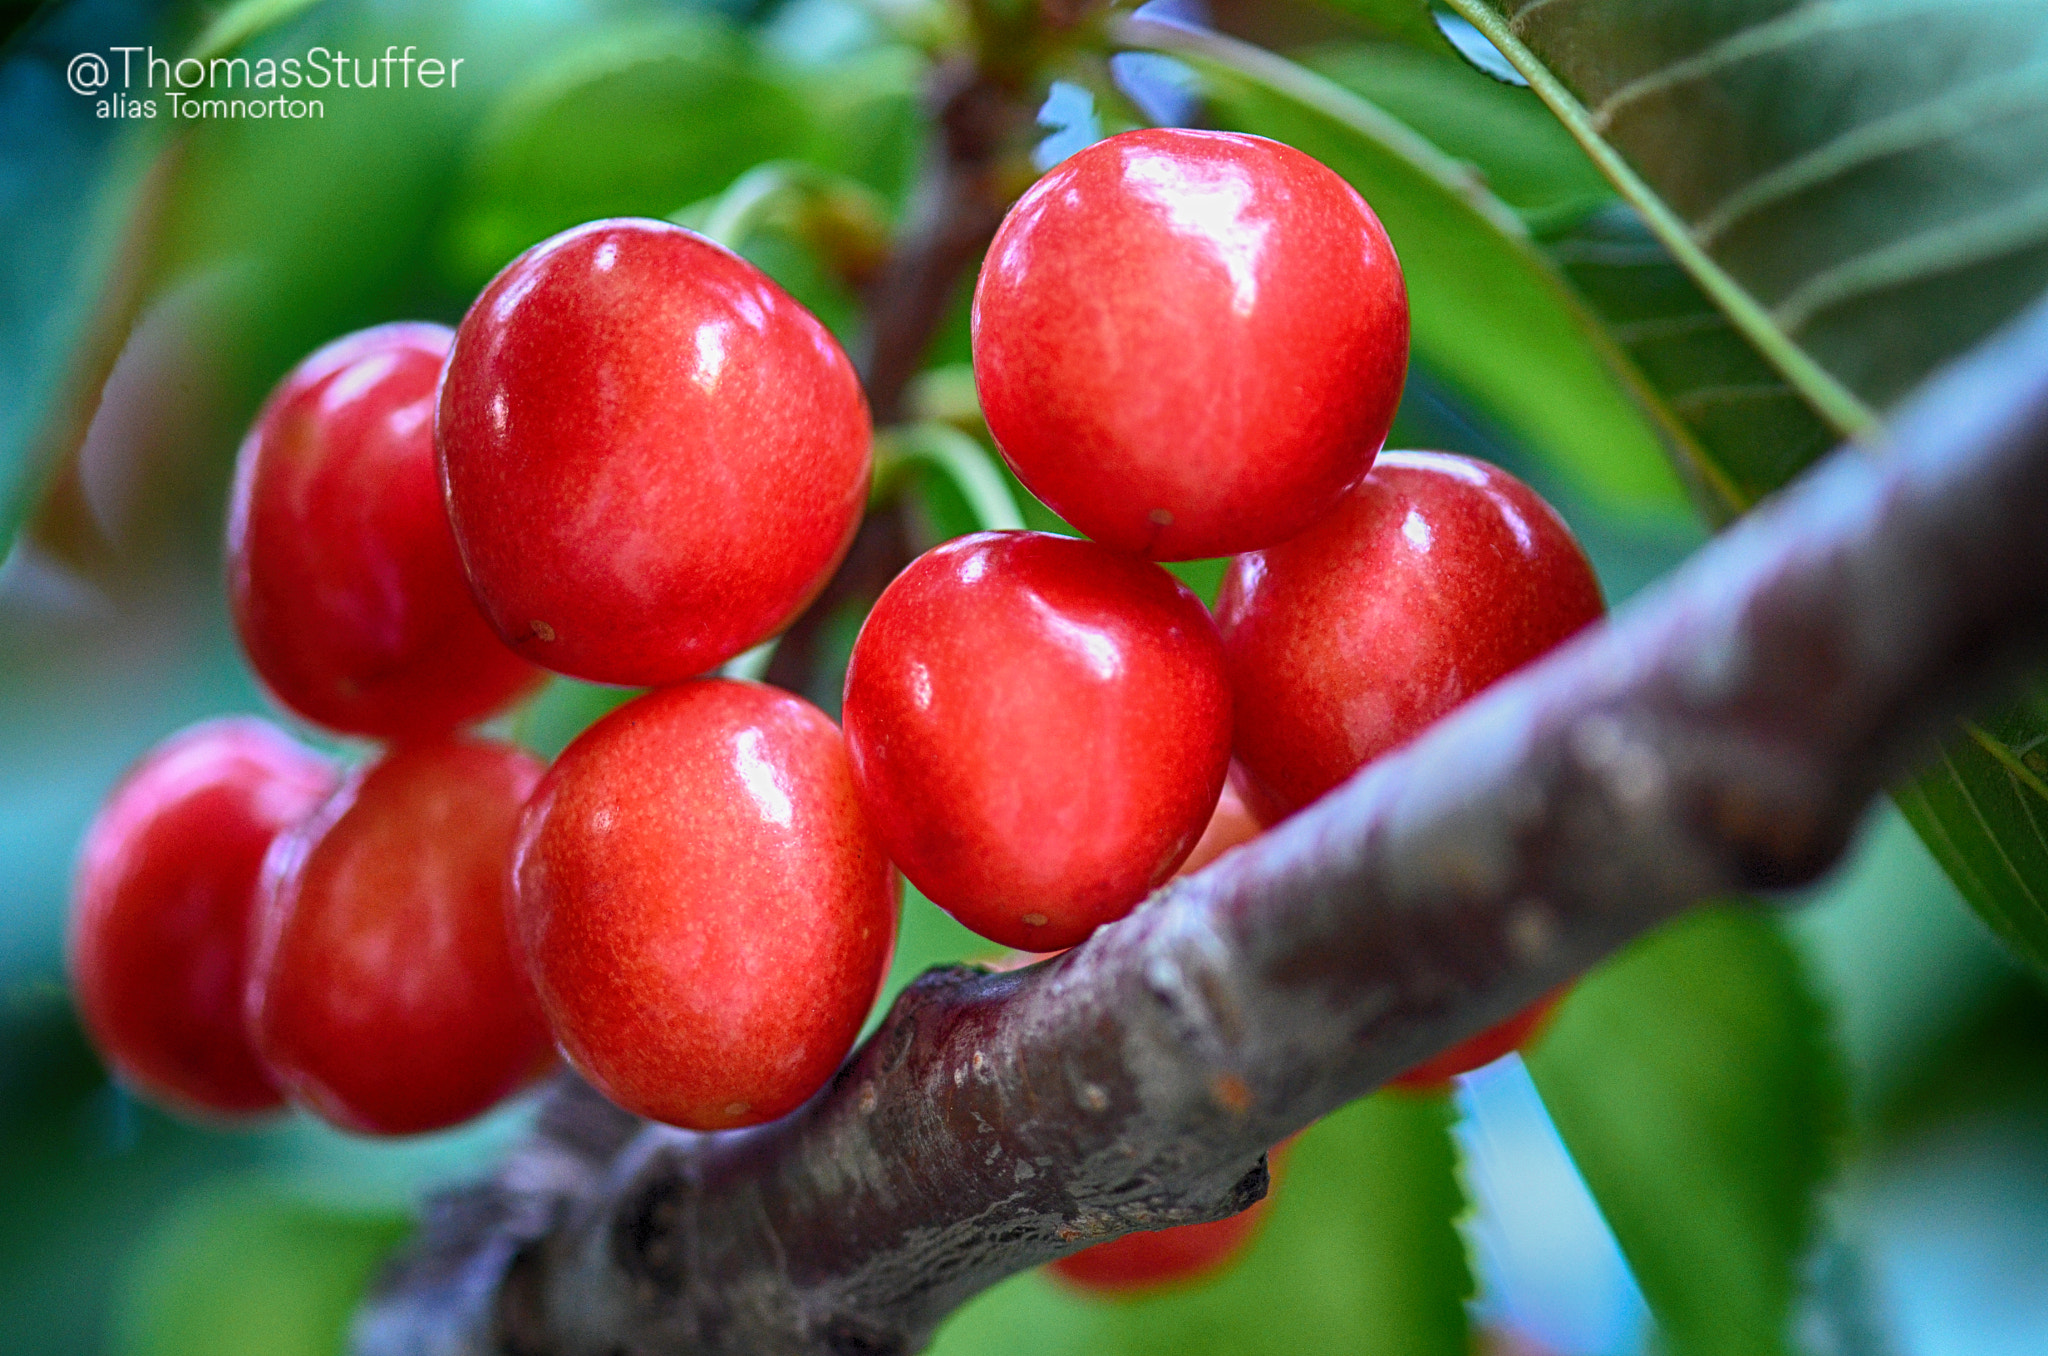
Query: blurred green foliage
x=1561 y=328
x=237 y=1271
x=1694 y=1080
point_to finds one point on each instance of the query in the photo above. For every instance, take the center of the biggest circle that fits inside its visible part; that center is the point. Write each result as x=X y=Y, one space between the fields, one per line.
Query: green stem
x=960 y=459
x=1835 y=402
x=751 y=665
x=776 y=187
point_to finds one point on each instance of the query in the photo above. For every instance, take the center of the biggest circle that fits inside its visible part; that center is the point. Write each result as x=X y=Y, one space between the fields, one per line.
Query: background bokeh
x=156 y=279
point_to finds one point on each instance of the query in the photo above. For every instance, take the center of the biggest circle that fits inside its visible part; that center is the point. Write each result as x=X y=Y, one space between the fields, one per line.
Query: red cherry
x=1190 y=343
x=653 y=457
x=707 y=912
x=1159 y=1258
x=1435 y=577
x=385 y=991
x=1039 y=728
x=342 y=572
x=161 y=904
x=1230 y=825
x=1434 y=1075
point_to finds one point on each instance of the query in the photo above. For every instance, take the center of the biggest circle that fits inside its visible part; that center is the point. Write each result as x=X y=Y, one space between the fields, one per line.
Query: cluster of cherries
x=637 y=458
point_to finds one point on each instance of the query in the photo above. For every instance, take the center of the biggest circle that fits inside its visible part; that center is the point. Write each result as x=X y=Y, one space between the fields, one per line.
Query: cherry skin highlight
x=1040 y=729
x=653 y=457
x=1434 y=1075
x=706 y=911
x=386 y=992
x=161 y=906
x=1437 y=576
x=342 y=572
x=1190 y=343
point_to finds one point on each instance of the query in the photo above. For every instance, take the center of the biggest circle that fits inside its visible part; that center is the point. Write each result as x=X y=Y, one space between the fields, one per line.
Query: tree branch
x=1726 y=731
x=980 y=120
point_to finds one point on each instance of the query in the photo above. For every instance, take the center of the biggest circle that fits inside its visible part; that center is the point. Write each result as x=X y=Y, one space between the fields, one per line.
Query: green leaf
x=1983 y=812
x=1859 y=186
x=869 y=118
x=1357 y=1255
x=242 y=21
x=1488 y=311
x=1693 y=1079
x=1857 y=191
x=1405 y=20
x=1528 y=160
x=242 y=1272
x=635 y=121
x=1736 y=427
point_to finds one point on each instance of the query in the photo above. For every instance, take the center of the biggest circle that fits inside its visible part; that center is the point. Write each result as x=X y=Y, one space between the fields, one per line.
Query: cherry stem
x=960 y=458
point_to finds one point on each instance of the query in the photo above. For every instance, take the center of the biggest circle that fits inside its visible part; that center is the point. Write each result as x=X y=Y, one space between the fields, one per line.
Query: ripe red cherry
x=1190 y=343
x=1434 y=1075
x=707 y=913
x=385 y=992
x=1040 y=729
x=342 y=572
x=1230 y=825
x=161 y=904
x=653 y=457
x=1159 y=1258
x=1435 y=577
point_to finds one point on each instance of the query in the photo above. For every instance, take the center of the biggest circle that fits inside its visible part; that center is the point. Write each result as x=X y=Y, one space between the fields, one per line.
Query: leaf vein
x=1939 y=249
x=1991 y=836
x=1696 y=402
x=1804 y=23
x=1943 y=118
x=1633 y=332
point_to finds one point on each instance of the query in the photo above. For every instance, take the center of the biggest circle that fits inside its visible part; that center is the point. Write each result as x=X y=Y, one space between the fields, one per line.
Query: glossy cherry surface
x=161 y=904
x=1040 y=728
x=1190 y=343
x=1438 y=575
x=707 y=912
x=653 y=456
x=1434 y=1075
x=385 y=991
x=342 y=572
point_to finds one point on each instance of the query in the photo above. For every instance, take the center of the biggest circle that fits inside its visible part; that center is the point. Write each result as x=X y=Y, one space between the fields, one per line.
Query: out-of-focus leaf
x=1358 y=1255
x=1858 y=192
x=242 y=1272
x=637 y=121
x=1405 y=20
x=1694 y=1081
x=1983 y=812
x=1529 y=161
x=242 y=21
x=868 y=118
x=1488 y=312
x=563 y=709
